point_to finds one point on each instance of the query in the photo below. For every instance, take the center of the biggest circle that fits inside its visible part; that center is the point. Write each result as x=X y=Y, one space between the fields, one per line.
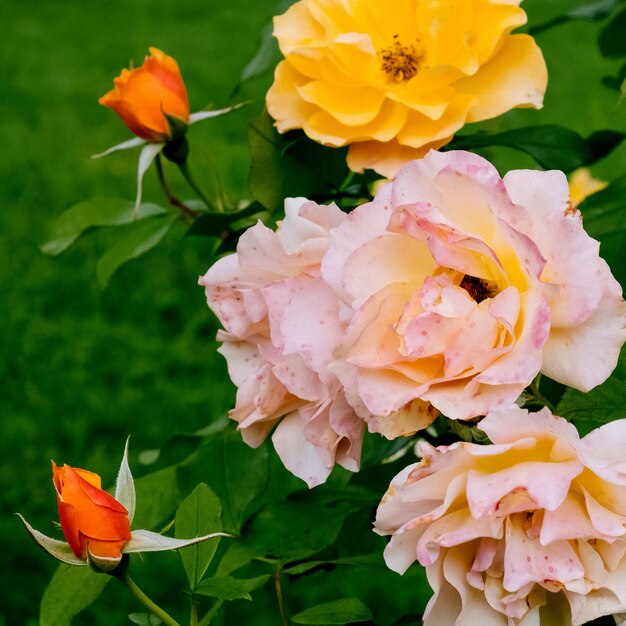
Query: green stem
x=279 y=595
x=149 y=604
x=536 y=392
x=187 y=212
x=211 y=613
x=186 y=172
x=193 y=617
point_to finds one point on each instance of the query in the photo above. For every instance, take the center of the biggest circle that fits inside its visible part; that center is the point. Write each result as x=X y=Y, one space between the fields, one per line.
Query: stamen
x=400 y=62
x=478 y=288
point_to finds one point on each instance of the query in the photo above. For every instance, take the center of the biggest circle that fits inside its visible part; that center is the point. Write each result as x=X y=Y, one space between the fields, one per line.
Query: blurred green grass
x=81 y=368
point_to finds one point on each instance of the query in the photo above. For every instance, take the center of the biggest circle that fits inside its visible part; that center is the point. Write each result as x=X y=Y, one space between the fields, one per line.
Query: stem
x=279 y=595
x=193 y=617
x=536 y=392
x=211 y=613
x=186 y=172
x=149 y=604
x=188 y=213
x=347 y=182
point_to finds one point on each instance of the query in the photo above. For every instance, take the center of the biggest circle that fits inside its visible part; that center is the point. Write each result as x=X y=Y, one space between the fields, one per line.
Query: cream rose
x=508 y=532
x=394 y=80
x=459 y=286
x=282 y=324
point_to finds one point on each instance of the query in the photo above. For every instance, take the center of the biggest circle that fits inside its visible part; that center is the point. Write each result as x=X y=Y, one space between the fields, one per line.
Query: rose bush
x=393 y=81
x=282 y=325
x=506 y=531
x=142 y=97
x=461 y=286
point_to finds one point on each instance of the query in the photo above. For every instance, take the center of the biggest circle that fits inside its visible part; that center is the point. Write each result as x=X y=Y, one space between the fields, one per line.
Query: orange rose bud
x=143 y=96
x=91 y=519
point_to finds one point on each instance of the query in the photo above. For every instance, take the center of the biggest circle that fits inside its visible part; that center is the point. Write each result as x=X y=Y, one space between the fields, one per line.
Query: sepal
x=125 y=145
x=102 y=564
x=177 y=127
x=125 y=485
x=198 y=116
x=60 y=550
x=147 y=155
x=147 y=541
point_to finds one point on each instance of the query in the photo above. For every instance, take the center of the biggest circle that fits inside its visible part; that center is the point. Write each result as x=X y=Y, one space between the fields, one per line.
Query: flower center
x=478 y=288
x=400 y=62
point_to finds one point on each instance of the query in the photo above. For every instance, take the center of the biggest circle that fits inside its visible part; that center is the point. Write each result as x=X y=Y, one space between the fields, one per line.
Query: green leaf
x=290 y=165
x=267 y=55
x=288 y=531
x=144 y=619
x=137 y=240
x=599 y=406
x=603 y=142
x=157 y=498
x=612 y=37
x=467 y=432
x=237 y=474
x=590 y=11
x=615 y=82
x=363 y=560
x=228 y=588
x=346 y=611
x=553 y=147
x=200 y=513
x=71 y=590
x=603 y=219
x=265 y=58
x=95 y=213
x=214 y=224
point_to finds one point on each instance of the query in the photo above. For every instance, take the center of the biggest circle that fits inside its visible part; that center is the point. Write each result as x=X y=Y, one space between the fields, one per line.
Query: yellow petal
x=388 y=157
x=326 y=129
x=350 y=106
x=516 y=77
x=284 y=103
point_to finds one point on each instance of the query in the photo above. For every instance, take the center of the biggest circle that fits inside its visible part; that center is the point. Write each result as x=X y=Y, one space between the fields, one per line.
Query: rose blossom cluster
x=283 y=324
x=529 y=528
x=447 y=293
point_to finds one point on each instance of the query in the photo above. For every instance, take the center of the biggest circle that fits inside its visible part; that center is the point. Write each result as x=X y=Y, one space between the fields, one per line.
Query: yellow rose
x=395 y=79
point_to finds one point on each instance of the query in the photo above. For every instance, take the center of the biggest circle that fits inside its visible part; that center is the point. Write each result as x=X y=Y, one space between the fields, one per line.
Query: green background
x=80 y=368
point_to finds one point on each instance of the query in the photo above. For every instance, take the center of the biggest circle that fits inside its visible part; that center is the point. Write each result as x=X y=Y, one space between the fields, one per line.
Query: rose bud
x=92 y=520
x=96 y=525
x=151 y=99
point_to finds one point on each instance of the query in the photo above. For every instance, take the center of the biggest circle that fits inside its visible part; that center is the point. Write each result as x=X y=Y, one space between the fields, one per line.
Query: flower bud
x=147 y=98
x=95 y=524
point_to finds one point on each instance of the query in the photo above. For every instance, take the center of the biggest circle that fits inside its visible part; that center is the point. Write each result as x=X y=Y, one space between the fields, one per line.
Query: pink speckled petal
x=310 y=325
x=522 y=363
x=300 y=457
x=526 y=560
x=583 y=357
x=488 y=493
x=364 y=223
x=508 y=424
x=602 y=450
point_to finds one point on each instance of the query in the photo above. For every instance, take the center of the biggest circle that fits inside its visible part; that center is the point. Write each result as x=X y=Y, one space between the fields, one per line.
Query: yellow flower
x=395 y=79
x=582 y=184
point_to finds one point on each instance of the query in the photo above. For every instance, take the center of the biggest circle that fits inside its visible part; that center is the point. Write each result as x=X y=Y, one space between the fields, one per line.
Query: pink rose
x=461 y=286
x=282 y=324
x=534 y=523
